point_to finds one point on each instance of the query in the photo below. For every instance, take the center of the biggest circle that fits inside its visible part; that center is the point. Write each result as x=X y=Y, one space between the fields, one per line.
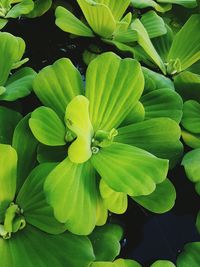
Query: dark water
x=146 y=236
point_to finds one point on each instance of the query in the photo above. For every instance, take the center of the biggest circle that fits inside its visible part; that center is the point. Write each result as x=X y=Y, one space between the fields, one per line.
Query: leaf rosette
x=101 y=164
x=12 y=9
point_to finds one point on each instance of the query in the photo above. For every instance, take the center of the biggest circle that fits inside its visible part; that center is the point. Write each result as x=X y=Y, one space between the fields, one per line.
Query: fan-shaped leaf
x=47 y=127
x=67 y=22
x=129 y=169
x=57 y=85
x=71 y=190
x=113 y=98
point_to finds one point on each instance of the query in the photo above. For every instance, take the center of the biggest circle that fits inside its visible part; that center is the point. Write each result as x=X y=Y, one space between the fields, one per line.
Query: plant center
x=13 y=221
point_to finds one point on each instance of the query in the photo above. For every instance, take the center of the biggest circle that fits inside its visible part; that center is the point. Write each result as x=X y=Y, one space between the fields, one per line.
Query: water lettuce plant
x=100 y=153
x=13 y=84
x=108 y=20
x=12 y=9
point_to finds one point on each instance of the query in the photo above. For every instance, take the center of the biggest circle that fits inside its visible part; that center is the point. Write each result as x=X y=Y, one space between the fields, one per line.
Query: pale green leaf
x=129 y=169
x=145 y=42
x=162 y=263
x=185 y=49
x=153 y=24
x=159 y=136
x=8 y=55
x=67 y=22
x=192 y=140
x=19 y=85
x=151 y=3
x=40 y=7
x=117 y=7
x=21 y=8
x=57 y=85
x=116 y=202
x=126 y=263
x=119 y=90
x=78 y=121
x=99 y=17
x=47 y=127
x=71 y=191
x=8 y=175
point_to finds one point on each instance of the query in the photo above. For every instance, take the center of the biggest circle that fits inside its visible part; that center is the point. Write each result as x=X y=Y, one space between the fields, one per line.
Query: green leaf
x=154 y=81
x=185 y=3
x=101 y=212
x=191 y=165
x=151 y=3
x=163 y=103
x=119 y=90
x=51 y=154
x=32 y=247
x=22 y=8
x=198 y=222
x=106 y=242
x=3 y=23
x=162 y=263
x=56 y=85
x=67 y=22
x=187 y=84
x=26 y=146
x=163 y=43
x=129 y=169
x=19 y=85
x=103 y=264
x=40 y=7
x=71 y=191
x=31 y=199
x=192 y=140
x=117 y=8
x=8 y=175
x=186 y=46
x=126 y=263
x=47 y=127
x=190 y=256
x=158 y=136
x=137 y=114
x=116 y=202
x=161 y=200
x=153 y=24
x=8 y=55
x=191 y=116
x=99 y=17
x=78 y=121
x=145 y=42
x=8 y=121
